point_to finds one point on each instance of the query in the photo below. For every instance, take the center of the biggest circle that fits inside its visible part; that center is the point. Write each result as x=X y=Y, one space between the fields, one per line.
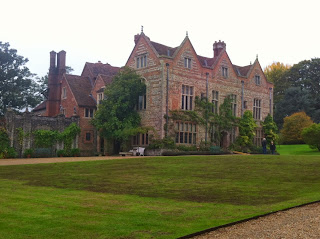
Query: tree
x=223 y=121
x=18 y=89
x=295 y=99
x=293 y=126
x=275 y=74
x=306 y=76
x=311 y=135
x=116 y=117
x=247 y=126
x=270 y=129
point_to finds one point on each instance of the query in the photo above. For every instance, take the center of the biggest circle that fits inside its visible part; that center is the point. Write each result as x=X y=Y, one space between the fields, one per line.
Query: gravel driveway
x=58 y=160
x=302 y=222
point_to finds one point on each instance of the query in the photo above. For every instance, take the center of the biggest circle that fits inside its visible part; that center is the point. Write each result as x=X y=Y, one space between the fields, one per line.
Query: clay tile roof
x=243 y=70
x=81 y=88
x=41 y=106
x=107 y=79
x=205 y=61
x=104 y=69
x=162 y=49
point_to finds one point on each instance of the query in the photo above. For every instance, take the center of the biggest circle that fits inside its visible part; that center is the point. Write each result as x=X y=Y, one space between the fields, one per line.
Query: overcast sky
x=283 y=30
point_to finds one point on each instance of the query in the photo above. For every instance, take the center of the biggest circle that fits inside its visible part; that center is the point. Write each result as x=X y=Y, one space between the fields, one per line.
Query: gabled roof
x=206 y=61
x=106 y=79
x=81 y=88
x=100 y=68
x=242 y=70
x=41 y=106
x=163 y=50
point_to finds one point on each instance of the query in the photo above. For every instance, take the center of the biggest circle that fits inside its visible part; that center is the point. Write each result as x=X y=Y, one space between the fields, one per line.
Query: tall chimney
x=61 y=61
x=53 y=59
x=218 y=47
x=54 y=82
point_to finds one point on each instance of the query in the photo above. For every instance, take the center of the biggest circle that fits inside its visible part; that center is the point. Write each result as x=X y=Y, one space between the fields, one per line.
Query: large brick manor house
x=174 y=76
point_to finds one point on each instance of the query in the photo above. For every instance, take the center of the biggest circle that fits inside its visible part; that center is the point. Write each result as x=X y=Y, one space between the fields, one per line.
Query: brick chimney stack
x=56 y=71
x=136 y=37
x=218 y=47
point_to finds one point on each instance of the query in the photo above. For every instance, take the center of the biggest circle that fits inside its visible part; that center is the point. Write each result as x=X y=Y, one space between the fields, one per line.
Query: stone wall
x=29 y=122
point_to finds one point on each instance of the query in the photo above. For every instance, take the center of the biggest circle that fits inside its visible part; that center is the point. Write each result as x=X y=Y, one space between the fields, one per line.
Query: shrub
x=311 y=135
x=75 y=152
x=165 y=143
x=293 y=126
x=28 y=153
x=42 y=153
x=187 y=148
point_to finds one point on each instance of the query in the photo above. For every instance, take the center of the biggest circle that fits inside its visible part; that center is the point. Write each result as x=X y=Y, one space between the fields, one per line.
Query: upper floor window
x=234 y=104
x=257 y=80
x=187 y=97
x=257 y=109
x=64 y=93
x=187 y=62
x=215 y=101
x=142 y=61
x=100 y=98
x=88 y=113
x=142 y=102
x=225 y=72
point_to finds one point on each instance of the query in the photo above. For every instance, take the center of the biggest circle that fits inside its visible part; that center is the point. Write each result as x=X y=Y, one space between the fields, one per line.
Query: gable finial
x=257 y=56
x=187 y=33
x=141 y=29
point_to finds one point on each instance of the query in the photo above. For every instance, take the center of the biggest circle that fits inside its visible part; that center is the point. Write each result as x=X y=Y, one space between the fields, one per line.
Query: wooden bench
x=126 y=153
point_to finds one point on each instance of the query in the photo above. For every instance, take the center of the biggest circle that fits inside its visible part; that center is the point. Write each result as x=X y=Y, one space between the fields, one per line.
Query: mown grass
x=161 y=197
x=297 y=149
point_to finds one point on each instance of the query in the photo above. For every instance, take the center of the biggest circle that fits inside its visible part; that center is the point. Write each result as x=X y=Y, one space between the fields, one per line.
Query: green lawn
x=298 y=149
x=160 y=197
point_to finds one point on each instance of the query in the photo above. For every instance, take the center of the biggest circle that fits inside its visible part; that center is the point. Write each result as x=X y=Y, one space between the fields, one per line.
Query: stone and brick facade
x=189 y=75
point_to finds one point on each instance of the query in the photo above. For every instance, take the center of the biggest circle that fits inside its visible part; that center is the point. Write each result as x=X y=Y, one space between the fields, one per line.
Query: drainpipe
x=207 y=95
x=167 y=101
x=242 y=97
x=270 y=101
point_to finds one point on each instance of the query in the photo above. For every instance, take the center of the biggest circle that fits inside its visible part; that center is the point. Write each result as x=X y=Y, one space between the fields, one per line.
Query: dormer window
x=257 y=80
x=100 y=98
x=225 y=72
x=142 y=61
x=187 y=62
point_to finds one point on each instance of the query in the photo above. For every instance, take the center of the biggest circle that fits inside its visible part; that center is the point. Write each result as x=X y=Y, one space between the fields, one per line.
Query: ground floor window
x=140 y=140
x=88 y=137
x=186 y=133
x=233 y=135
x=258 y=137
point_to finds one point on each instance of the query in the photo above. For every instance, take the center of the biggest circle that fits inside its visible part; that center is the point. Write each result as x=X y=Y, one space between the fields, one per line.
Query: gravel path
x=302 y=222
x=58 y=160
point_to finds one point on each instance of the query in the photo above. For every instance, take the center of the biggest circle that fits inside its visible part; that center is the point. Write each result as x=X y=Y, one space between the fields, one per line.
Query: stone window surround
x=142 y=61
x=88 y=112
x=215 y=101
x=224 y=71
x=186 y=132
x=187 y=62
x=256 y=109
x=64 y=93
x=187 y=93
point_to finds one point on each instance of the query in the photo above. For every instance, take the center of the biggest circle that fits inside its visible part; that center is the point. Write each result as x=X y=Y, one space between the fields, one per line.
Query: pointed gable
x=80 y=87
